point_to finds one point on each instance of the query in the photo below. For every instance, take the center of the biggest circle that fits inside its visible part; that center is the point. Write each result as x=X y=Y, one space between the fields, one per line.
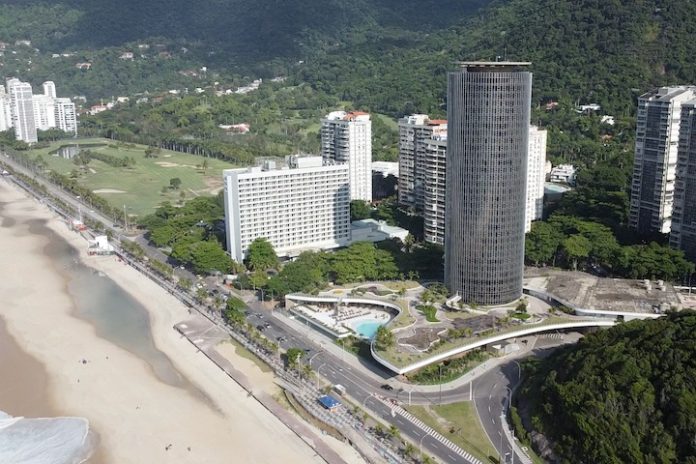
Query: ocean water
x=115 y=314
x=60 y=440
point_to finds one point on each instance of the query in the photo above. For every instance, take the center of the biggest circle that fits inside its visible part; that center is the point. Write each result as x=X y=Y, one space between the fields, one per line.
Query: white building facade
x=44 y=112
x=304 y=205
x=346 y=137
x=66 y=115
x=415 y=131
x=655 y=163
x=536 y=176
x=22 y=110
x=5 y=115
x=434 y=174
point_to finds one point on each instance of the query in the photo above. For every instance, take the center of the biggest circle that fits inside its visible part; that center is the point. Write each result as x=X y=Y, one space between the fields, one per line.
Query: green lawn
x=140 y=187
x=460 y=418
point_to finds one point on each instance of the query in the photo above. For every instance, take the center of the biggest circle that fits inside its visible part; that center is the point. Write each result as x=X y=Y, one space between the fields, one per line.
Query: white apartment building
x=5 y=115
x=22 y=110
x=346 y=137
x=49 y=89
x=683 y=233
x=434 y=174
x=655 y=164
x=536 y=176
x=304 y=205
x=415 y=131
x=44 y=112
x=66 y=115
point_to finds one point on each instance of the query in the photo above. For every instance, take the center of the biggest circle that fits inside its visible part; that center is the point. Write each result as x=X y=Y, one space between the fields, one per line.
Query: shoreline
x=114 y=387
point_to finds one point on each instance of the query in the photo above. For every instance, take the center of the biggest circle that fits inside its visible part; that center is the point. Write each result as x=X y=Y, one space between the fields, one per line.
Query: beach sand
x=136 y=416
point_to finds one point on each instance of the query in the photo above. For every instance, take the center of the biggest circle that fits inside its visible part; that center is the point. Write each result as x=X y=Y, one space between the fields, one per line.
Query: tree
x=209 y=256
x=201 y=294
x=293 y=356
x=359 y=209
x=577 y=247
x=175 y=183
x=234 y=310
x=384 y=338
x=261 y=256
x=258 y=279
x=542 y=242
x=394 y=431
x=409 y=449
x=185 y=283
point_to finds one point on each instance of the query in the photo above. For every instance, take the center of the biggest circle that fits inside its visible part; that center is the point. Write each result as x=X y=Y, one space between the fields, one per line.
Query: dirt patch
x=107 y=191
x=167 y=164
x=422 y=337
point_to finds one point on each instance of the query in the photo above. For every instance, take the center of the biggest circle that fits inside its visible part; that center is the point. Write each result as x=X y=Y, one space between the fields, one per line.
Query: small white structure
x=609 y=120
x=370 y=230
x=100 y=246
x=386 y=168
x=563 y=173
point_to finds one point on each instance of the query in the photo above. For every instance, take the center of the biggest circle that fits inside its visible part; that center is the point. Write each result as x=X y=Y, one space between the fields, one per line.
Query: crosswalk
x=553 y=336
x=430 y=431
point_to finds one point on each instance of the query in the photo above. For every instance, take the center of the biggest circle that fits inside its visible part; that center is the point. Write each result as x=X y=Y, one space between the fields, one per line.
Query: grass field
x=460 y=418
x=139 y=187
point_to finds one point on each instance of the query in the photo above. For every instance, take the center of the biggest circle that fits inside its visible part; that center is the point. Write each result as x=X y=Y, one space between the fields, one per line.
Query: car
x=260 y=328
x=267 y=324
x=386 y=387
x=260 y=316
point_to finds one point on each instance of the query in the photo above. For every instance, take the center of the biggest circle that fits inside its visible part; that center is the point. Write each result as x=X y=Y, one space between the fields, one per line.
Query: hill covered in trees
x=621 y=395
x=388 y=56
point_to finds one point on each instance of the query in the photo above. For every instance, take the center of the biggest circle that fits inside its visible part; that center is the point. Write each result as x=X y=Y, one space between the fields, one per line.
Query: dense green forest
x=384 y=55
x=621 y=395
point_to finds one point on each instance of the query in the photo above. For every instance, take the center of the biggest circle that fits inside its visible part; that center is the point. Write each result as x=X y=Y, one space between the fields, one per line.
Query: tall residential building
x=655 y=164
x=683 y=234
x=22 y=110
x=66 y=115
x=49 y=89
x=488 y=111
x=44 y=112
x=5 y=115
x=347 y=138
x=302 y=206
x=536 y=176
x=434 y=190
x=415 y=131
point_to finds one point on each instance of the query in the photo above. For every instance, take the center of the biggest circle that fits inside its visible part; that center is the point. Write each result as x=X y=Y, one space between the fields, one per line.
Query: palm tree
x=427 y=459
x=394 y=431
x=409 y=449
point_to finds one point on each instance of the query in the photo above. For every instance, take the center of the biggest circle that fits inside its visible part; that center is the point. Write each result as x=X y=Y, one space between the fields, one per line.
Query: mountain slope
x=625 y=394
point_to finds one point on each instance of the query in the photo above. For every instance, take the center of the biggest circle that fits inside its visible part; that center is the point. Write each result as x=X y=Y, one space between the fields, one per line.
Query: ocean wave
x=59 y=440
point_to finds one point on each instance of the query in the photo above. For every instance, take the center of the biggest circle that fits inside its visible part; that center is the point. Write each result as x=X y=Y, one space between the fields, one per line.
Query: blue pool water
x=367 y=329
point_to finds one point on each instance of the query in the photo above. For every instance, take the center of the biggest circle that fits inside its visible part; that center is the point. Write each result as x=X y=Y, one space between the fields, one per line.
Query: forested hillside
x=621 y=395
x=385 y=55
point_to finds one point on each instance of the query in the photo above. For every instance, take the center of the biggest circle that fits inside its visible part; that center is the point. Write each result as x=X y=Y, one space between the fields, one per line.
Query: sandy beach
x=137 y=417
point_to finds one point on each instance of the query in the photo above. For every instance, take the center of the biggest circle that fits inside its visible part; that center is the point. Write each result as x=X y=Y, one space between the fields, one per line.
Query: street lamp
x=439 y=368
x=420 y=443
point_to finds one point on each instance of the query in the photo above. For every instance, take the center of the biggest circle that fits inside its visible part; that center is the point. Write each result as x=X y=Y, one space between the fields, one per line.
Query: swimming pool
x=367 y=329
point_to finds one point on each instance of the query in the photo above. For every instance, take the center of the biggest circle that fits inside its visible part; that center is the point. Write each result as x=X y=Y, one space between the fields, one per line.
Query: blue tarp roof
x=329 y=402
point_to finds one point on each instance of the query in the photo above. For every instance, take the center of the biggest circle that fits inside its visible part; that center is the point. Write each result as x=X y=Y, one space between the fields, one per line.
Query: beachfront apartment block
x=536 y=176
x=655 y=163
x=415 y=131
x=302 y=205
x=26 y=113
x=22 y=110
x=346 y=137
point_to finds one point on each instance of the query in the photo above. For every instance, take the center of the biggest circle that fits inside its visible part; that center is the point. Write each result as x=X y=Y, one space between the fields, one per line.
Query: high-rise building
x=44 y=112
x=302 y=206
x=434 y=189
x=415 y=131
x=683 y=233
x=655 y=164
x=22 y=110
x=346 y=137
x=488 y=112
x=66 y=115
x=49 y=89
x=5 y=115
x=536 y=176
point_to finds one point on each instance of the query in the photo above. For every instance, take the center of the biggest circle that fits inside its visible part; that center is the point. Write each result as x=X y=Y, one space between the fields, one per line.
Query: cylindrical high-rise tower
x=488 y=106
